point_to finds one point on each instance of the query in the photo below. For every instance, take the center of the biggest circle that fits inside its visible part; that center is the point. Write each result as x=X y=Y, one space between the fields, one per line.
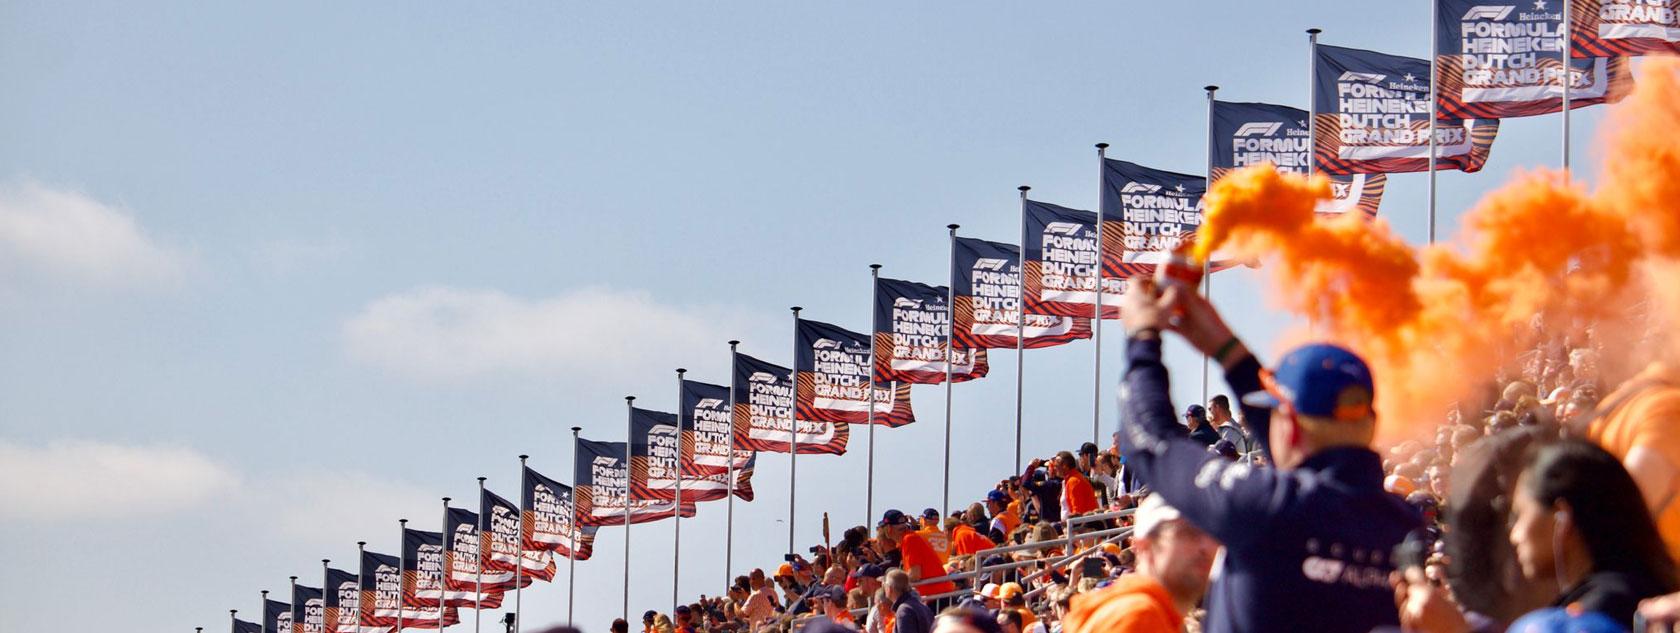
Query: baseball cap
x=1088 y=448
x=1196 y=411
x=1009 y=590
x=648 y=615
x=869 y=570
x=1315 y=380
x=997 y=495
x=785 y=570
x=930 y=513
x=893 y=517
x=1152 y=514
x=989 y=591
x=837 y=593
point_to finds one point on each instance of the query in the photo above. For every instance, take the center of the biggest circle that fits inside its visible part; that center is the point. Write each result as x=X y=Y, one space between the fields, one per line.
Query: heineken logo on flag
x=764 y=413
x=911 y=324
x=546 y=518
x=1146 y=213
x=501 y=536
x=706 y=420
x=834 y=379
x=602 y=478
x=987 y=284
x=1372 y=116
x=1061 y=263
x=463 y=570
x=277 y=616
x=1247 y=134
x=655 y=454
x=1504 y=60
x=381 y=590
x=1614 y=28
x=340 y=594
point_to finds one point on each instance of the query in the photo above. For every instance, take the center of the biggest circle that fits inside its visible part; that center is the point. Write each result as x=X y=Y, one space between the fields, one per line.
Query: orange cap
x=785 y=570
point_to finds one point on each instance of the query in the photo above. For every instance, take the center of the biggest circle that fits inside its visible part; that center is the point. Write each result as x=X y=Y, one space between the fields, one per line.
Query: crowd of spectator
x=1547 y=505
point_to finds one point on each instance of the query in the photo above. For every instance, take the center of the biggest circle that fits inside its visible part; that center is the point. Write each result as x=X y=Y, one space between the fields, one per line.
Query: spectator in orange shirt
x=965 y=541
x=935 y=537
x=917 y=558
x=1077 y=495
x=1004 y=517
x=1174 y=558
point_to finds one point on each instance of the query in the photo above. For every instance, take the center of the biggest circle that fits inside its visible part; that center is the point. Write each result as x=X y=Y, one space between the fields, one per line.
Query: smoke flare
x=1440 y=322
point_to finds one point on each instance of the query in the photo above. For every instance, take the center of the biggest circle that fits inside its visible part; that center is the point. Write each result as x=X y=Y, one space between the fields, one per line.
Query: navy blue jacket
x=1048 y=494
x=910 y=615
x=1306 y=549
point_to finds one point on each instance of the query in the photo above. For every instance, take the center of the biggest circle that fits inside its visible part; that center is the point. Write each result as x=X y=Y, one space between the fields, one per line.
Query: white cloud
x=449 y=333
x=68 y=235
x=76 y=479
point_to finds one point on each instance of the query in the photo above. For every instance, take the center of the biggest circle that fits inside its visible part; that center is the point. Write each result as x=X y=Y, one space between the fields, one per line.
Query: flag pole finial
x=482 y=478
x=953 y=226
x=1314 y=31
x=361 y=543
x=874 y=266
x=1102 y=145
x=575 y=429
x=1210 y=87
x=326 y=561
x=446 y=499
x=524 y=457
x=681 y=371
x=1023 y=188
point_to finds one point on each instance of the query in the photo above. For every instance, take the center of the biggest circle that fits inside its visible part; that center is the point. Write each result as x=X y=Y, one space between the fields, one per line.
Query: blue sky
x=273 y=276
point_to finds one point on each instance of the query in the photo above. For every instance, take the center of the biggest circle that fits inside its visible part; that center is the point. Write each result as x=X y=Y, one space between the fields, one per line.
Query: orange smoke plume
x=1440 y=322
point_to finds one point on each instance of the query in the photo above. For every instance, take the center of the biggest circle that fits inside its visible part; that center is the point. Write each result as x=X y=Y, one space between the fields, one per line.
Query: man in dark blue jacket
x=1308 y=544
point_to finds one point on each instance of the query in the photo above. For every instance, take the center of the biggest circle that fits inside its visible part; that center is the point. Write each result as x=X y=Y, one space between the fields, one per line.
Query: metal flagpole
x=326 y=585
x=729 y=501
x=950 y=362
x=478 y=563
x=233 y=615
x=571 y=561
x=1020 y=325
x=263 y=614
x=629 y=402
x=1312 y=101
x=1567 y=79
x=869 y=472
x=1096 y=314
x=519 y=557
x=443 y=577
x=403 y=534
x=1435 y=106
x=676 y=535
x=293 y=601
x=1207 y=270
x=793 y=430
x=361 y=551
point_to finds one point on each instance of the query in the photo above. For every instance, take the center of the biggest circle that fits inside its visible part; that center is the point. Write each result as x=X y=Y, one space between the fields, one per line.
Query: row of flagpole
x=1565 y=81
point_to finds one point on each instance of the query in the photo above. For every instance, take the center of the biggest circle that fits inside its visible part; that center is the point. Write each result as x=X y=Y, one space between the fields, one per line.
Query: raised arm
x=1229 y=500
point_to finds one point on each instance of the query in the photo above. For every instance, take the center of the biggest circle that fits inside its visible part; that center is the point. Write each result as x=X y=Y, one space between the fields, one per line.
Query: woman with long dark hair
x=1579 y=529
x=1579 y=520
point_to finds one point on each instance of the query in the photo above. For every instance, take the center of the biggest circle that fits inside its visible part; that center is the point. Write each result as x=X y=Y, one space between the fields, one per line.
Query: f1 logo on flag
x=906 y=302
x=1064 y=228
x=1138 y=187
x=1487 y=12
x=709 y=403
x=1369 y=78
x=1260 y=128
x=761 y=376
x=988 y=263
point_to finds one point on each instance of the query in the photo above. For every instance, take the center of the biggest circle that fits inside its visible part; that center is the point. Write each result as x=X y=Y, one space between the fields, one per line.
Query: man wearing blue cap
x=1307 y=545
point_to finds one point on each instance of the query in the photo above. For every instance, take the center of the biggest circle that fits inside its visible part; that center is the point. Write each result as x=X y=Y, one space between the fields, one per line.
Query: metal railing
x=980 y=569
